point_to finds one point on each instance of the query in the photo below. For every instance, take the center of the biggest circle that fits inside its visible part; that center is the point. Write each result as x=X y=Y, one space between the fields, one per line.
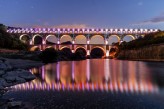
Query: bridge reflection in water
x=93 y=75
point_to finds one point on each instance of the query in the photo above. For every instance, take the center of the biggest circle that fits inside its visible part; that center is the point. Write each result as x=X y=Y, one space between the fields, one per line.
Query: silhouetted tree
x=97 y=53
x=49 y=55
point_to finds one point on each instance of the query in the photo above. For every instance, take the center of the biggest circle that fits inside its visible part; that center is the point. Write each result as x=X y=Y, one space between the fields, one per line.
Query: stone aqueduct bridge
x=31 y=35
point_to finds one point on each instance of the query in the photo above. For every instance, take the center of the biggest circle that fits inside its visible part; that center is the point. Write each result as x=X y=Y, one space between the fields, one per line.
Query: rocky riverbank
x=147 y=53
x=12 y=72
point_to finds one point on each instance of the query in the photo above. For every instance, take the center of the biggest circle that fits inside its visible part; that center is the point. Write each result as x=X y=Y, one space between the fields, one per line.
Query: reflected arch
x=25 y=38
x=97 y=52
x=82 y=50
x=51 y=39
x=35 y=48
x=113 y=39
x=97 y=39
x=80 y=39
x=128 y=38
x=66 y=39
x=37 y=39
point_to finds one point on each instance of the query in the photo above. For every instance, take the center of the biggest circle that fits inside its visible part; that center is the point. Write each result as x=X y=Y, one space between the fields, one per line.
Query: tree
x=49 y=55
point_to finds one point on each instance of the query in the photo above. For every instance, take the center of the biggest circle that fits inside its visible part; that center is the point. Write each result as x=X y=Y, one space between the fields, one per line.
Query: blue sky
x=83 y=13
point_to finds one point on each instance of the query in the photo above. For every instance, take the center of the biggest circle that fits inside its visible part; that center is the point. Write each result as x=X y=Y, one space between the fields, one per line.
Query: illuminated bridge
x=87 y=39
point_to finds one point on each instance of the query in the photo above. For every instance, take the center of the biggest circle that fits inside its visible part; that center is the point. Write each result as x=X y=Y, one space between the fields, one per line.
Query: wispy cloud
x=154 y=20
x=47 y=25
x=140 y=3
x=72 y=26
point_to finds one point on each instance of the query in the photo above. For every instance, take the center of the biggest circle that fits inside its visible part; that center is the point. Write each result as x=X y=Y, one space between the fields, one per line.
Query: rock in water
x=20 y=80
x=26 y=75
x=14 y=104
x=10 y=79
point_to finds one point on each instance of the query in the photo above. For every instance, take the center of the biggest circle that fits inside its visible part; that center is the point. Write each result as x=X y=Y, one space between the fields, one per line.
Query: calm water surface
x=94 y=84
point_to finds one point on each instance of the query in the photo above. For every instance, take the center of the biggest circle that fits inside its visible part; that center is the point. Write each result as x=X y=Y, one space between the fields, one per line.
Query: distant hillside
x=150 y=47
x=149 y=39
x=8 y=41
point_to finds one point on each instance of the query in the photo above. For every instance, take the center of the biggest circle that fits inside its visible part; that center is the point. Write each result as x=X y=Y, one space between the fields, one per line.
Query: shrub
x=49 y=55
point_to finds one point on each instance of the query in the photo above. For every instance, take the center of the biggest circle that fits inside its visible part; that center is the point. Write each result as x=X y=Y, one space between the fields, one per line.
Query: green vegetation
x=149 y=39
x=8 y=41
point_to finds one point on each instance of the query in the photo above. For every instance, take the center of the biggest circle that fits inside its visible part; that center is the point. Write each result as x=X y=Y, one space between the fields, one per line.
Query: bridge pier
x=73 y=48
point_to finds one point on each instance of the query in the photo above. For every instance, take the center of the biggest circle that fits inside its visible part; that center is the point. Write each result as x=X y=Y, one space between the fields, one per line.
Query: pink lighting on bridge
x=73 y=42
x=79 y=30
x=88 y=41
x=107 y=53
x=106 y=42
x=58 y=42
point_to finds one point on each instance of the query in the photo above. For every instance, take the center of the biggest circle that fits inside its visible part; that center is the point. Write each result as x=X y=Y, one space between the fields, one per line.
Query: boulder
x=26 y=75
x=2 y=72
x=14 y=104
x=1 y=87
x=12 y=73
x=20 y=80
x=1 y=61
x=3 y=83
x=10 y=78
x=3 y=66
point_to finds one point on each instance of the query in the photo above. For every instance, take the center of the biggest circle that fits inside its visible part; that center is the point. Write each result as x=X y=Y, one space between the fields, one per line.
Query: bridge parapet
x=79 y=31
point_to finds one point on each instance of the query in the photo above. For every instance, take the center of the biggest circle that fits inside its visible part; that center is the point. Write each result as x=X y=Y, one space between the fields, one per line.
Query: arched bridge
x=87 y=39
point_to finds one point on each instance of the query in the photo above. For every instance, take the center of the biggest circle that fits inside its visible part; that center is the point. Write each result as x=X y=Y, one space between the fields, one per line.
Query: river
x=94 y=84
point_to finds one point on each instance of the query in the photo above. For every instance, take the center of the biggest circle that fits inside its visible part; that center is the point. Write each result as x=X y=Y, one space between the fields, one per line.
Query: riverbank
x=12 y=72
x=148 y=53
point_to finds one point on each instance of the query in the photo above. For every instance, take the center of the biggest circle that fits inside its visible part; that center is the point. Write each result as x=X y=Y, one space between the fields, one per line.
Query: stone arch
x=64 y=47
x=80 y=39
x=97 y=39
x=113 y=39
x=66 y=51
x=52 y=39
x=127 y=39
x=65 y=39
x=49 y=47
x=38 y=40
x=96 y=54
x=25 y=38
x=35 y=48
x=80 y=47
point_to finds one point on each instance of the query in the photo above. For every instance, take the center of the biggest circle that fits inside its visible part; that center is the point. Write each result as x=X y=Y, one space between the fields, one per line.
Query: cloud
x=48 y=25
x=140 y=3
x=154 y=20
x=71 y=26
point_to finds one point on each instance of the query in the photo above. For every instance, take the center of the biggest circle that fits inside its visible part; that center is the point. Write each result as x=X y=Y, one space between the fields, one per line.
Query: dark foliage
x=66 y=52
x=8 y=41
x=80 y=54
x=97 y=53
x=49 y=55
x=112 y=50
x=149 y=39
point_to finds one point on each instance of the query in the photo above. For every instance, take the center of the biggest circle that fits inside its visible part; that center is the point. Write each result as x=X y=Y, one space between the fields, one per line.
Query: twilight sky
x=83 y=13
